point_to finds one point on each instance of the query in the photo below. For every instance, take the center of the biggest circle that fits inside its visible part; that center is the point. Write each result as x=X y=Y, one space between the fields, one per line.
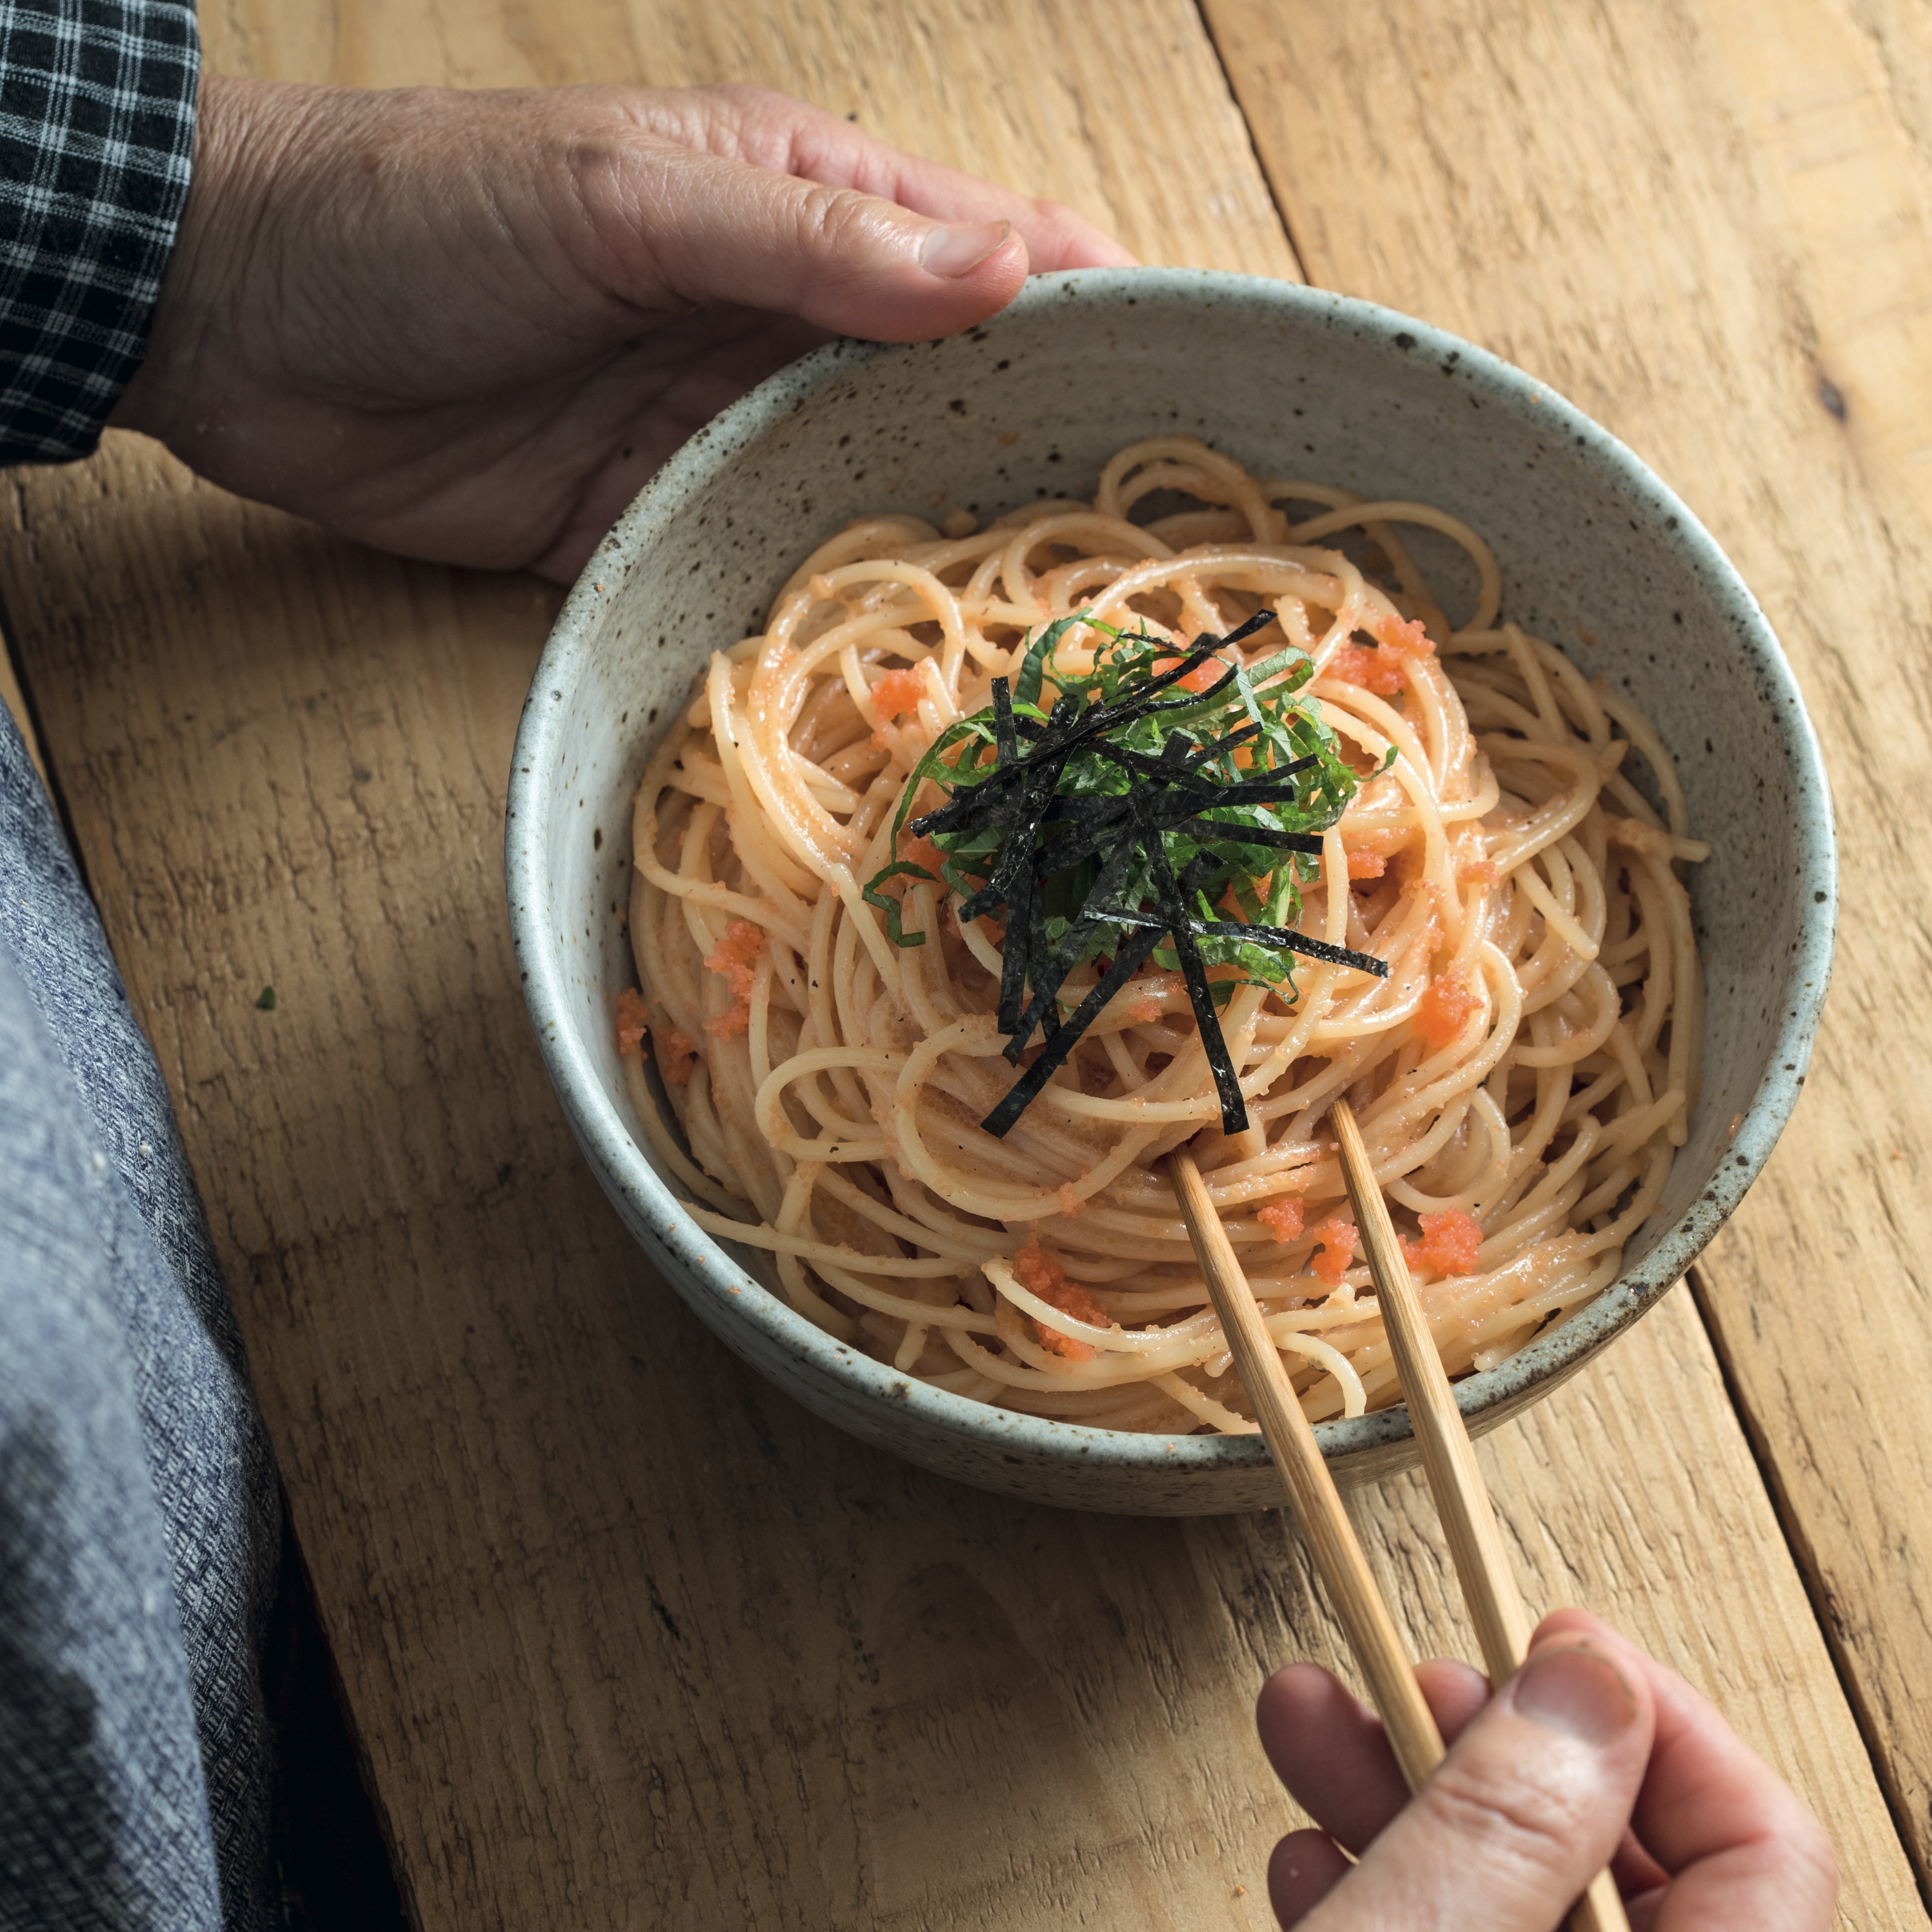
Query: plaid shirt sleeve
x=97 y=135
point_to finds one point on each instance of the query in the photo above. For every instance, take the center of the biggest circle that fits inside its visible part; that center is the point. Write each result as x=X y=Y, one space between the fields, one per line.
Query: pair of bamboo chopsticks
x=1448 y=1459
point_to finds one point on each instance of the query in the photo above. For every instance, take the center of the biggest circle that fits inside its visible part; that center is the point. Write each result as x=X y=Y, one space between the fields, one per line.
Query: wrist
x=243 y=129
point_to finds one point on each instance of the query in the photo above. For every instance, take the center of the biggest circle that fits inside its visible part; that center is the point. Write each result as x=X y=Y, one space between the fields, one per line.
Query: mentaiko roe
x=897 y=692
x=1381 y=668
x=677 y=1054
x=1202 y=678
x=633 y=1022
x=1039 y=1273
x=1450 y=1242
x=736 y=957
x=1373 y=669
x=1443 y=1010
x=914 y=850
x=1281 y=1219
x=1338 y=1238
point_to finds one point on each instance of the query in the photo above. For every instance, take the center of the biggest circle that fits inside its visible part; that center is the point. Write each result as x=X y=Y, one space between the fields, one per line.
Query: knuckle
x=1532 y=1826
x=831 y=219
x=753 y=123
x=742 y=97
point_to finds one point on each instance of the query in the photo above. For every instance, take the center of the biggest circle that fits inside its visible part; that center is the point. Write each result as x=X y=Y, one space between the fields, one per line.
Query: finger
x=1641 y=1909
x=772 y=130
x=1746 y=1850
x=680 y=226
x=1302 y=1870
x=1328 y=1747
x=1529 y=1805
x=1636 y=1871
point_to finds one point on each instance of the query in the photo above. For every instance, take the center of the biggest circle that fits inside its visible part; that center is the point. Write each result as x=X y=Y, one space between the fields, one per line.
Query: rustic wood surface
x=629 y=1641
x=1707 y=222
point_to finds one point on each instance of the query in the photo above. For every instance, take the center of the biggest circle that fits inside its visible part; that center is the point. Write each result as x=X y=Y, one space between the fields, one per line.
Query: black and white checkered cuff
x=97 y=138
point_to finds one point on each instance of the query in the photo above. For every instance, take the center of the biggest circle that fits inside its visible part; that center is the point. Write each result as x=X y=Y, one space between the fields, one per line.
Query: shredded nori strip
x=1120 y=820
x=1129 y=961
x=1174 y=911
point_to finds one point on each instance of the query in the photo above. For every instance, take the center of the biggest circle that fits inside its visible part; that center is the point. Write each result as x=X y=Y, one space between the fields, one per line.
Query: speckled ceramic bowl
x=1593 y=547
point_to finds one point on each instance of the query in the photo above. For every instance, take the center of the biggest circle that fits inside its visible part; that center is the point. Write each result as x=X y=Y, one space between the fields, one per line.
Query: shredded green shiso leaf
x=1118 y=824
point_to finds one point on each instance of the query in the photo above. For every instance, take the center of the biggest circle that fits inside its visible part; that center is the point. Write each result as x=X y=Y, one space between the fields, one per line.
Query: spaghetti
x=827 y=1039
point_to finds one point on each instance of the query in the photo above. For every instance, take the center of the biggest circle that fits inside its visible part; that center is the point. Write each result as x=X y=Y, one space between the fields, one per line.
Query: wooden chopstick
x=1324 y=1523
x=1483 y=1566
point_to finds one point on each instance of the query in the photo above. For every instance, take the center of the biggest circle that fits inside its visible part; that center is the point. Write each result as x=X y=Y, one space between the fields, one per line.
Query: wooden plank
x=1707 y=221
x=628 y=1639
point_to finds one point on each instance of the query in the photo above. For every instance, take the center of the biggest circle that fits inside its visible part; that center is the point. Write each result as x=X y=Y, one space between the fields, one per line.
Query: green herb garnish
x=1123 y=828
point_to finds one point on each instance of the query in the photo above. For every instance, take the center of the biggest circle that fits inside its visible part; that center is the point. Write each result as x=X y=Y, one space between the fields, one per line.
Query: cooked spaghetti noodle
x=1522 y=1074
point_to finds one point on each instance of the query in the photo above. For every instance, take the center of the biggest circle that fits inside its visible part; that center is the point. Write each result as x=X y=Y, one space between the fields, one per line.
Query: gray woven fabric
x=139 y=1528
x=139 y=1517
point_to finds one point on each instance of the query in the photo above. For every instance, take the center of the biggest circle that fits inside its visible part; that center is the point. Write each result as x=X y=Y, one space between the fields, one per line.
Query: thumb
x=1526 y=1809
x=706 y=228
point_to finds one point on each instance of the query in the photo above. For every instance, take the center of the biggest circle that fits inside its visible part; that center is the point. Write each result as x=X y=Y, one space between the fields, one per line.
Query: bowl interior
x=1596 y=555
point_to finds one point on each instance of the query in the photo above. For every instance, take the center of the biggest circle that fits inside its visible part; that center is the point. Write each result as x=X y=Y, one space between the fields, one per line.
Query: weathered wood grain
x=629 y=1640
x=1707 y=222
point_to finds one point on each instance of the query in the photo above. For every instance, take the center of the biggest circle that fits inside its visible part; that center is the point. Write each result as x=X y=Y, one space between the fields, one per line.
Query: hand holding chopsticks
x=1483 y=1568
x=1482 y=1564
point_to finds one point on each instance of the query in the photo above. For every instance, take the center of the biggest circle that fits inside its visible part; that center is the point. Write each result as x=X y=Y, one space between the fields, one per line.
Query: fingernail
x=1577 y=1692
x=951 y=253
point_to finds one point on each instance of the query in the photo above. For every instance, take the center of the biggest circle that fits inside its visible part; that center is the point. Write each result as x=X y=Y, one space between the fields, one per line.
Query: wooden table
x=627 y=1639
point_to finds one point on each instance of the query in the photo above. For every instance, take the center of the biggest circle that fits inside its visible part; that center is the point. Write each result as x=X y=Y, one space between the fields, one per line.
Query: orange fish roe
x=677 y=1054
x=1378 y=671
x=1038 y=1272
x=897 y=692
x=1478 y=872
x=1145 y=991
x=1408 y=639
x=1230 y=903
x=1450 y=1244
x=737 y=956
x=1445 y=1008
x=1202 y=677
x=1367 y=865
x=1283 y=1219
x=1070 y=1202
x=633 y=1022
x=1338 y=1238
x=914 y=850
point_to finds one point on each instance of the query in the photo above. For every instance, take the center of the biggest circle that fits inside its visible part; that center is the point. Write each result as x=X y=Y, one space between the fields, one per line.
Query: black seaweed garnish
x=1127 y=823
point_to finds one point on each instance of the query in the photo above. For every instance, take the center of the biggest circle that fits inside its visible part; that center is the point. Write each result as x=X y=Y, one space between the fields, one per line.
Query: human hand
x=467 y=326
x=1533 y=1800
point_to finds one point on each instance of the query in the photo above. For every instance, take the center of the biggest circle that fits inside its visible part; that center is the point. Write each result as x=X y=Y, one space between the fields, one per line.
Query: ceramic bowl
x=1597 y=555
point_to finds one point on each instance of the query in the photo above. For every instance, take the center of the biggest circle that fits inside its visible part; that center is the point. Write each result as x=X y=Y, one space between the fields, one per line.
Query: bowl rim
x=622 y=1167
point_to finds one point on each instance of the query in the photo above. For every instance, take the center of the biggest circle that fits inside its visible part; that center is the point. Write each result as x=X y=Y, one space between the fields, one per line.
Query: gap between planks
x=1825 y=1613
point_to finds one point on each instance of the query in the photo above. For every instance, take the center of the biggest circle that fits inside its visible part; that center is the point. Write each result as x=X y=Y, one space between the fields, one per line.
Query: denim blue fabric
x=139 y=1525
